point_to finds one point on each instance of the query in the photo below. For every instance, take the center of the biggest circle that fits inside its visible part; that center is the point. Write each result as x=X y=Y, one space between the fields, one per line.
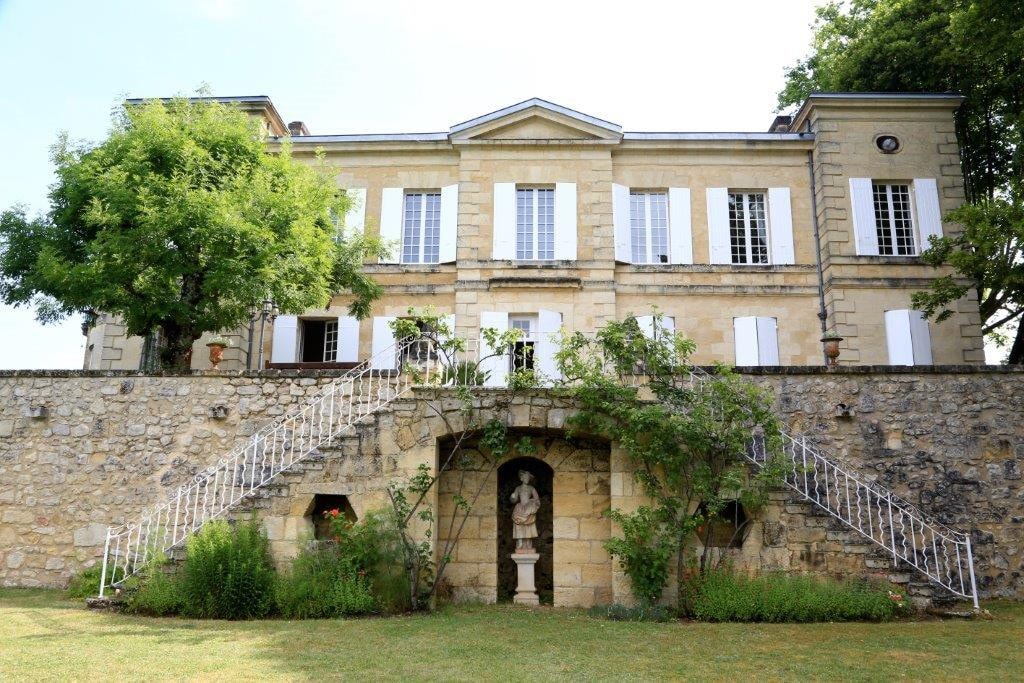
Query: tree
x=686 y=436
x=180 y=221
x=990 y=253
x=974 y=47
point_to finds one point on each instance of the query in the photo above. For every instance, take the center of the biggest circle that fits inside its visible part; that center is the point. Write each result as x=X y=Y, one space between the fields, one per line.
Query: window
x=893 y=220
x=319 y=341
x=535 y=223
x=648 y=226
x=521 y=355
x=907 y=338
x=421 y=227
x=727 y=529
x=748 y=228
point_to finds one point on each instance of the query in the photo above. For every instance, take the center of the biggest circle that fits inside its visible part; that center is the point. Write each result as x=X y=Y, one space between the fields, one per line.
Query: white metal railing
x=278 y=446
x=904 y=531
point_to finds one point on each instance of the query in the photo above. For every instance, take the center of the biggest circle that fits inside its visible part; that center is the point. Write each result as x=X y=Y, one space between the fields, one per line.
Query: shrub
x=86 y=583
x=643 y=552
x=723 y=596
x=323 y=583
x=227 y=573
x=154 y=591
x=373 y=548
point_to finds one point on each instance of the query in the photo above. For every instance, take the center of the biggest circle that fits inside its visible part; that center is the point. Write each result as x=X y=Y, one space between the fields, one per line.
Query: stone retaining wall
x=81 y=450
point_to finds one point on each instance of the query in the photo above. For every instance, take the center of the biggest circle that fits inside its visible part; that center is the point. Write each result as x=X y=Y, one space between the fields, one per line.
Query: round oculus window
x=887 y=144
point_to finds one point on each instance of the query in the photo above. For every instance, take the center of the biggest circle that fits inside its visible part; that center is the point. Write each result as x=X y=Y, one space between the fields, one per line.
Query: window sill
x=896 y=260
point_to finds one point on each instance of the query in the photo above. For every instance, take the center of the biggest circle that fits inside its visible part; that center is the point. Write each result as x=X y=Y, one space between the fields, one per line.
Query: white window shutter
x=745 y=340
x=780 y=221
x=385 y=355
x=621 y=224
x=565 y=221
x=348 y=339
x=898 y=338
x=668 y=324
x=493 y=362
x=355 y=217
x=767 y=341
x=718 y=225
x=646 y=325
x=391 y=222
x=920 y=338
x=548 y=325
x=504 y=223
x=929 y=217
x=865 y=232
x=449 y=222
x=680 y=232
x=285 y=342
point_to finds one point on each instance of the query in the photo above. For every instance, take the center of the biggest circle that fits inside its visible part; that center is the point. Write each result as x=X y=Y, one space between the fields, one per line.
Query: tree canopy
x=181 y=221
x=976 y=48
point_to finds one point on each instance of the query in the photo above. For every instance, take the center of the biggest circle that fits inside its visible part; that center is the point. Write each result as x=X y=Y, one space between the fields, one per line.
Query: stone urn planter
x=217 y=346
x=831 y=341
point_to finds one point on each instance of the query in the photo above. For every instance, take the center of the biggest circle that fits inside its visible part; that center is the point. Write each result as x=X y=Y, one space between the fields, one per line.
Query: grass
x=43 y=636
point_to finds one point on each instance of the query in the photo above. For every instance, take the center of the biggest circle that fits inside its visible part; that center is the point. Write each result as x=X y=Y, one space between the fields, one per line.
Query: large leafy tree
x=975 y=47
x=179 y=222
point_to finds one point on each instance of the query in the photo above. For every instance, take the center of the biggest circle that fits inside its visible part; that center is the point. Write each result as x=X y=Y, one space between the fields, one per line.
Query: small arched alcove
x=508 y=480
x=323 y=503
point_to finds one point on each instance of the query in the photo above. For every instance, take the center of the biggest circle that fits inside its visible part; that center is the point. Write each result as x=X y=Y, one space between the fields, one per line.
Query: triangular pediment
x=537 y=120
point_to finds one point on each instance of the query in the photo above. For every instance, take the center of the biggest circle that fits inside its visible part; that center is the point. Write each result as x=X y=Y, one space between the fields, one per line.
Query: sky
x=374 y=67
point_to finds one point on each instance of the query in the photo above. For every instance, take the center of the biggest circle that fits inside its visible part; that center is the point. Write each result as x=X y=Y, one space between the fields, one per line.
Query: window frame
x=528 y=341
x=748 y=242
x=647 y=227
x=420 y=228
x=890 y=229
x=534 y=225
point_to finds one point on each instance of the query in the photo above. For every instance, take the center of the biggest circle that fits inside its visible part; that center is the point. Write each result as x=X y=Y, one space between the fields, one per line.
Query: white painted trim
x=929 y=216
x=449 y=223
x=621 y=224
x=348 y=339
x=780 y=226
x=898 y=338
x=865 y=232
x=542 y=104
x=391 y=199
x=284 y=346
x=504 y=222
x=383 y=337
x=680 y=230
x=548 y=325
x=719 y=249
x=565 y=221
x=495 y=366
x=355 y=217
x=745 y=340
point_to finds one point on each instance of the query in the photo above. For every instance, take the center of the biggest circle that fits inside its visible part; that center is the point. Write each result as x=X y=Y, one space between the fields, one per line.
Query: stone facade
x=538 y=144
x=79 y=451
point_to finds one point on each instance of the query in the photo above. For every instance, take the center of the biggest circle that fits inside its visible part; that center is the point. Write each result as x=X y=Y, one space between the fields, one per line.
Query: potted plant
x=217 y=346
x=831 y=341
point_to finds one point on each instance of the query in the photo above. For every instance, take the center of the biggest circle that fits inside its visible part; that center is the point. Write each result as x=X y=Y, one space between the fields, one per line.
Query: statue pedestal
x=526 y=591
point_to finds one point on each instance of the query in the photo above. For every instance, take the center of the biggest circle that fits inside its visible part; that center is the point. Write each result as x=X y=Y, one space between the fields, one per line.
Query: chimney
x=297 y=128
x=779 y=125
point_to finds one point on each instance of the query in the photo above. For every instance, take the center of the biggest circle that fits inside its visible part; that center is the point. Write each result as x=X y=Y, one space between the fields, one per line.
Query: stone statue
x=524 y=514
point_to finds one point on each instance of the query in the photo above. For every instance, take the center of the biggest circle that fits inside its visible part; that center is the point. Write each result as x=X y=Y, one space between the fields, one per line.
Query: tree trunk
x=176 y=352
x=1017 y=350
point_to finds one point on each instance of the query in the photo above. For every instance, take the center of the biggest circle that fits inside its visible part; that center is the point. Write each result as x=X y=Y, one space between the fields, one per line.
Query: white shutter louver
x=780 y=222
x=285 y=340
x=384 y=353
x=493 y=362
x=929 y=216
x=907 y=338
x=449 y=223
x=718 y=225
x=756 y=339
x=680 y=238
x=620 y=222
x=391 y=222
x=865 y=232
x=565 y=221
x=504 y=223
x=355 y=217
x=348 y=339
x=548 y=325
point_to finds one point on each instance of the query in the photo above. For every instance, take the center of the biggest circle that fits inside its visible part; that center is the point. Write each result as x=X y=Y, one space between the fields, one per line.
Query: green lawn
x=43 y=636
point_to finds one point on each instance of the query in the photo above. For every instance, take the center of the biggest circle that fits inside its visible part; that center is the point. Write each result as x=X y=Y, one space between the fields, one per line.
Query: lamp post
x=268 y=310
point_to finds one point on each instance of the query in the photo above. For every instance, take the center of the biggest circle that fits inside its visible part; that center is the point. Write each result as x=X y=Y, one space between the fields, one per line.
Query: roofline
x=717 y=136
x=262 y=100
x=535 y=102
x=651 y=136
x=801 y=113
x=369 y=137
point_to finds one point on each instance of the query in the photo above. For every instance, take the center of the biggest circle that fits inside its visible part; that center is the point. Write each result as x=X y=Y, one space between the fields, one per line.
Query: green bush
x=86 y=583
x=323 y=583
x=724 y=596
x=154 y=591
x=373 y=548
x=227 y=573
x=643 y=552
